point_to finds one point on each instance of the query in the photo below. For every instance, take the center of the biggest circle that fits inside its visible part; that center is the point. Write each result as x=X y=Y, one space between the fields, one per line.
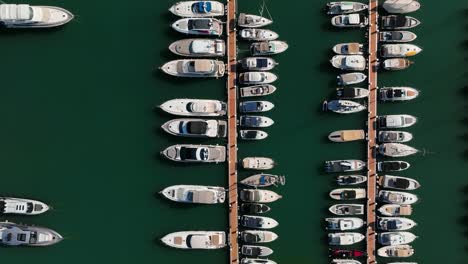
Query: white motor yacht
x=201 y=68
x=343 y=106
x=194 y=107
x=396 y=121
x=268 y=47
x=26 y=16
x=257 y=78
x=401 y=198
x=351 y=20
x=197 y=9
x=398 y=183
x=347 y=209
x=252 y=21
x=257 y=222
x=255 y=106
x=397 y=36
x=349 y=62
x=259 y=196
x=258 y=163
x=348 y=193
x=195 y=153
x=195 y=240
x=345 y=7
x=258 y=63
x=255 y=121
x=258 y=34
x=399 y=50
x=195 y=194
x=196 y=47
x=393 y=94
x=12 y=234
x=401 y=6
x=257 y=90
x=199 y=26
x=395 y=223
x=189 y=127
x=398 y=251
x=10 y=205
x=395 y=210
x=344 y=239
x=344 y=223
x=257 y=236
x=395 y=238
x=396 y=150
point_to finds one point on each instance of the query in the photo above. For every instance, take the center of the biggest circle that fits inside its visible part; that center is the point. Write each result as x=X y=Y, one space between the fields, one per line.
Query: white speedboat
x=396 y=210
x=348 y=194
x=399 y=22
x=347 y=209
x=255 y=121
x=393 y=94
x=195 y=153
x=258 y=236
x=351 y=20
x=399 y=50
x=188 y=127
x=352 y=48
x=349 y=62
x=252 y=134
x=195 y=194
x=259 y=196
x=398 y=165
x=255 y=106
x=258 y=222
x=396 y=121
x=256 y=251
x=351 y=179
x=195 y=240
x=257 y=78
x=396 y=150
x=256 y=261
x=345 y=261
x=199 y=26
x=264 y=180
x=26 y=16
x=252 y=21
x=345 y=7
x=194 y=107
x=344 y=239
x=398 y=183
x=10 y=205
x=400 y=198
x=401 y=6
x=197 y=9
x=257 y=34
x=268 y=47
x=343 y=106
x=199 y=47
x=395 y=238
x=351 y=93
x=12 y=234
x=397 y=36
x=395 y=223
x=344 y=223
x=344 y=165
x=398 y=251
x=201 y=68
x=351 y=78
x=257 y=90
x=258 y=163
x=258 y=63
x=396 y=64
x=347 y=135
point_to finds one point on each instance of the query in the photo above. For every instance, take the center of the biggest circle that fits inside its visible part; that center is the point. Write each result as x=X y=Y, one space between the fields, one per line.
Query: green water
x=78 y=131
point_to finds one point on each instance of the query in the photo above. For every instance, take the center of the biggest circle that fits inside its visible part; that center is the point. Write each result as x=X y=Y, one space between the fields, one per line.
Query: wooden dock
x=232 y=129
x=373 y=36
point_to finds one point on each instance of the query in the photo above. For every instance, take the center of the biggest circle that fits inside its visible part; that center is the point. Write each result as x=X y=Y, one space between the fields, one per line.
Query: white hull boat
x=252 y=21
x=12 y=234
x=258 y=222
x=264 y=180
x=188 y=127
x=393 y=94
x=343 y=106
x=344 y=165
x=268 y=47
x=349 y=62
x=347 y=135
x=399 y=50
x=258 y=63
x=255 y=121
x=258 y=163
x=396 y=150
x=195 y=240
x=256 y=251
x=344 y=223
x=348 y=194
x=257 y=90
x=397 y=36
x=351 y=20
x=197 y=9
x=396 y=210
x=258 y=34
x=199 y=47
x=395 y=223
x=396 y=121
x=396 y=64
x=399 y=251
x=395 y=238
x=401 y=198
x=252 y=134
x=258 y=236
x=348 y=48
x=195 y=194
x=344 y=239
x=201 y=68
x=351 y=78
x=345 y=261
x=199 y=26
x=386 y=166
x=351 y=179
x=195 y=153
x=252 y=78
x=259 y=196
x=20 y=206
x=256 y=261
x=399 y=22
x=345 y=7
x=194 y=107
x=255 y=106
x=26 y=16
x=398 y=183
x=347 y=209
x=351 y=93
x=401 y=6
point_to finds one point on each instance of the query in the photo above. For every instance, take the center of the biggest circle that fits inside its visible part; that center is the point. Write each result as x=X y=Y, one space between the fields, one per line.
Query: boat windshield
x=200 y=24
x=196 y=127
x=189 y=153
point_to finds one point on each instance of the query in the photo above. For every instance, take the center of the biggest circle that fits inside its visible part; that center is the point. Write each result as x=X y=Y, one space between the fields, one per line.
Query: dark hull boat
x=343 y=253
x=344 y=165
x=256 y=251
x=351 y=179
x=399 y=22
x=386 y=166
x=254 y=208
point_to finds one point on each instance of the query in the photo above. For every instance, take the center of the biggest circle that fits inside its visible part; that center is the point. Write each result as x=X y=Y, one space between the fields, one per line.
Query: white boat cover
x=202 y=46
x=15 y=12
x=354 y=19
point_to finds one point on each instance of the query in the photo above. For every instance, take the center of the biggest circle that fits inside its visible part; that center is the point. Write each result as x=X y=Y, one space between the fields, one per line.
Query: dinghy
x=255 y=121
x=27 y=16
x=252 y=21
x=200 y=68
x=397 y=36
x=21 y=206
x=345 y=7
x=351 y=93
x=347 y=253
x=264 y=180
x=257 y=90
x=399 y=50
x=258 y=163
x=258 y=34
x=351 y=20
x=351 y=179
x=268 y=47
x=398 y=183
x=258 y=196
x=396 y=150
x=255 y=106
x=347 y=209
x=351 y=78
x=195 y=153
x=393 y=94
x=257 y=222
x=188 y=127
x=352 y=48
x=251 y=134
x=396 y=121
x=254 y=208
x=395 y=223
x=396 y=210
x=401 y=6
x=343 y=106
x=256 y=251
x=199 y=47
x=257 y=236
x=195 y=240
x=195 y=194
x=197 y=9
x=396 y=64
x=399 y=22
x=400 y=198
x=194 y=107
x=399 y=251
x=344 y=223
x=386 y=166
x=348 y=194
x=344 y=165
x=349 y=62
x=199 y=26
x=258 y=63
x=257 y=78
x=395 y=238
x=344 y=239
x=347 y=135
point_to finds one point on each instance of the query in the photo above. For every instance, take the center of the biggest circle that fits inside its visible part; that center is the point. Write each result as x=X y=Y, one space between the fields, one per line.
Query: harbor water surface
x=78 y=131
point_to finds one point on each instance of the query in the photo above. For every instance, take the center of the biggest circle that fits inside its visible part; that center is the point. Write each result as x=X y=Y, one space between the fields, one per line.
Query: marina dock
x=373 y=36
x=232 y=129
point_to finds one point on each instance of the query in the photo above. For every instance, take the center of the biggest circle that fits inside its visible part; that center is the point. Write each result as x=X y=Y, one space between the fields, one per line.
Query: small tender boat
x=256 y=251
x=348 y=194
x=256 y=261
x=345 y=261
x=398 y=183
x=12 y=234
x=343 y=106
x=349 y=62
x=199 y=47
x=399 y=251
x=348 y=48
x=258 y=34
x=397 y=36
x=395 y=238
x=257 y=236
x=194 y=107
x=264 y=180
x=21 y=206
x=195 y=153
x=351 y=93
x=396 y=210
x=347 y=253
x=345 y=7
x=351 y=78
x=255 y=121
x=255 y=106
x=344 y=223
x=258 y=63
x=401 y=6
x=394 y=136
x=196 y=194
x=385 y=166
x=344 y=165
x=26 y=16
x=396 y=121
x=197 y=9
x=257 y=90
x=399 y=50
x=351 y=20
x=351 y=179
x=347 y=135
x=258 y=222
x=347 y=209
x=187 y=127
x=251 y=134
x=199 y=26
x=395 y=223
x=258 y=163
x=396 y=150
x=397 y=197
x=257 y=77
x=252 y=21
x=254 y=208
x=393 y=94
x=268 y=47
x=195 y=240
x=399 y=22
x=259 y=196
x=396 y=64
x=195 y=68
x=343 y=239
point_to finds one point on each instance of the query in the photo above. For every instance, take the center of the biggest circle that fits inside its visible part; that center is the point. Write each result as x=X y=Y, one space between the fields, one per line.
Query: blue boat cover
x=204 y=7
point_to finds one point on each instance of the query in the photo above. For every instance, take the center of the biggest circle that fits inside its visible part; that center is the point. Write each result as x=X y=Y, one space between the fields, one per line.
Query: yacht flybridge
x=26 y=16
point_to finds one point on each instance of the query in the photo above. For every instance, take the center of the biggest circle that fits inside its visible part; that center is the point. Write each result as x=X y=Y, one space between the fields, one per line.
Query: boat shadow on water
x=5 y=32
